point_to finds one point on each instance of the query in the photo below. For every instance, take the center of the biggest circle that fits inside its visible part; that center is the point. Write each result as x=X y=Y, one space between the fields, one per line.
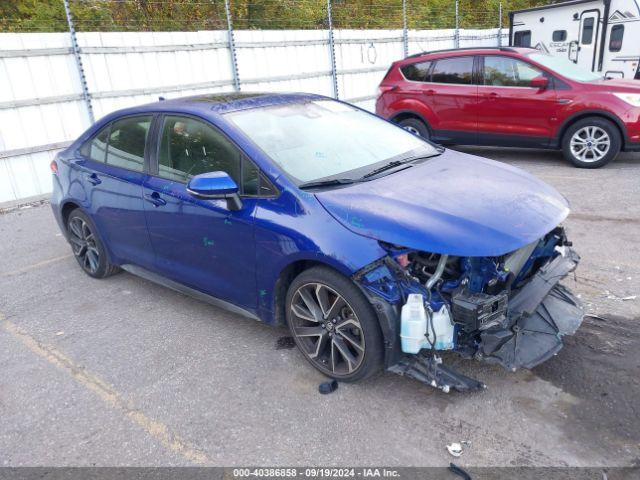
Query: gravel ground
x=123 y=372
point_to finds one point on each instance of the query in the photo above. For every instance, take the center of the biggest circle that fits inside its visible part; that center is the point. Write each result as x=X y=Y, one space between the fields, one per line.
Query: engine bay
x=508 y=310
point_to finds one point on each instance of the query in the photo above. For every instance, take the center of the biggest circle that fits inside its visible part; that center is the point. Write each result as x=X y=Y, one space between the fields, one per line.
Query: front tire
x=415 y=126
x=334 y=325
x=87 y=247
x=591 y=142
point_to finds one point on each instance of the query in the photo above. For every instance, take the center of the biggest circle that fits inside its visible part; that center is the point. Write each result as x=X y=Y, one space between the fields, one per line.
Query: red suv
x=518 y=97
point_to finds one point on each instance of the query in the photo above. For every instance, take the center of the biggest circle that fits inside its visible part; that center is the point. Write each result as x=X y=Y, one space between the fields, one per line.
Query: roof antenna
x=161 y=99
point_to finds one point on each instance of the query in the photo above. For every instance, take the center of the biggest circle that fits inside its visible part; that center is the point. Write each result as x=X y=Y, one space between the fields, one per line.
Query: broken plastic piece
x=430 y=371
x=328 y=387
x=455 y=449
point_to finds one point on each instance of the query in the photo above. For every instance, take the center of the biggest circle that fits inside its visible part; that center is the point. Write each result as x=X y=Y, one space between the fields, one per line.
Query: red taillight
x=382 y=89
x=54 y=167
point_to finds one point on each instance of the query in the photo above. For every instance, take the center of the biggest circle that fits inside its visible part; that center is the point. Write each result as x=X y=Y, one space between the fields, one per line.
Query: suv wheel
x=591 y=142
x=334 y=325
x=415 y=126
x=87 y=246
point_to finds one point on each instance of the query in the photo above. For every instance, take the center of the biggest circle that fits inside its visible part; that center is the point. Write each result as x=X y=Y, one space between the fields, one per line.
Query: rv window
x=522 y=38
x=416 y=72
x=587 y=31
x=615 y=41
x=559 y=35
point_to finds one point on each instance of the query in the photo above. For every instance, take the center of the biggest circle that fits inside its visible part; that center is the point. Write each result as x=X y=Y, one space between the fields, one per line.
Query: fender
x=587 y=113
x=414 y=107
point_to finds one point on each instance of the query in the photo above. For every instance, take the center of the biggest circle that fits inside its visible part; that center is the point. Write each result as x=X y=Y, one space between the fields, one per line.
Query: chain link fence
x=102 y=55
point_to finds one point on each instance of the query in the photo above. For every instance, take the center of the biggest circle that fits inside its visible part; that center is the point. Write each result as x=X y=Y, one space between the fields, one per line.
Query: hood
x=618 y=85
x=454 y=204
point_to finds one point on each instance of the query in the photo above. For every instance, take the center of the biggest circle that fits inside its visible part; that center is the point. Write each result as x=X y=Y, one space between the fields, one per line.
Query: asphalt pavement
x=124 y=372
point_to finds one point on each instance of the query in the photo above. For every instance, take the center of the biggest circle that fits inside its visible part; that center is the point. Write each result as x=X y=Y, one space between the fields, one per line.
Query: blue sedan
x=375 y=247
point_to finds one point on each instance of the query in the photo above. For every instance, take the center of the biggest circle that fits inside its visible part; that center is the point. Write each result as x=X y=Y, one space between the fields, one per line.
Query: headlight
x=630 y=98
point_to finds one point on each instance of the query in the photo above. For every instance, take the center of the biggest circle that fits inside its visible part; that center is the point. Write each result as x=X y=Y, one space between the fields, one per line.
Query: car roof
x=231 y=101
x=217 y=103
x=458 y=52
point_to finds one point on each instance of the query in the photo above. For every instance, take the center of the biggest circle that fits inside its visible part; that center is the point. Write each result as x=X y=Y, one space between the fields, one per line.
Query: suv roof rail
x=502 y=49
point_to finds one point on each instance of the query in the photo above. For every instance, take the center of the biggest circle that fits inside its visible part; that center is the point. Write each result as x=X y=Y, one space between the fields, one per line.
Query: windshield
x=323 y=138
x=565 y=67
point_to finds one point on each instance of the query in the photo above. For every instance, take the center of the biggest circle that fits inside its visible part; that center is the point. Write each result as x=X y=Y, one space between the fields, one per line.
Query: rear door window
x=502 y=71
x=96 y=148
x=455 y=70
x=416 y=72
x=127 y=140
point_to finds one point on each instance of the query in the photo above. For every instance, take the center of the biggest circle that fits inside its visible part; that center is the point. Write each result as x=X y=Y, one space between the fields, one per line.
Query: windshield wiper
x=397 y=163
x=327 y=183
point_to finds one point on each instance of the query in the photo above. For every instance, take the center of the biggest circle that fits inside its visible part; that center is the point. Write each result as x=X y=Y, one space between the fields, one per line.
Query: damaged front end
x=510 y=310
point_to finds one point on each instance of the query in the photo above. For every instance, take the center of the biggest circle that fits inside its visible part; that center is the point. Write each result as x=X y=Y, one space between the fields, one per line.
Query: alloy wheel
x=83 y=244
x=327 y=329
x=590 y=144
x=413 y=130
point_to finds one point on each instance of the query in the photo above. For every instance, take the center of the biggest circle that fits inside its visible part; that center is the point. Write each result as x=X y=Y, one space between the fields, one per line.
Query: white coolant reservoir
x=443 y=326
x=414 y=326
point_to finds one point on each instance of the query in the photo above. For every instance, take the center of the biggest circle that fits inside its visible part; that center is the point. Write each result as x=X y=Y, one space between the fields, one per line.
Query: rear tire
x=334 y=325
x=87 y=246
x=591 y=142
x=415 y=126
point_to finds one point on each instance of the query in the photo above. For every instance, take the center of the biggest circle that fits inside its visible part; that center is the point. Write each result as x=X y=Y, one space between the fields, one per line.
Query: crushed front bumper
x=539 y=314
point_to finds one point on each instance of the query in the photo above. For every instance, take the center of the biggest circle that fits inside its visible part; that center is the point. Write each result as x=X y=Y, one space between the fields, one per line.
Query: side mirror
x=215 y=185
x=541 y=82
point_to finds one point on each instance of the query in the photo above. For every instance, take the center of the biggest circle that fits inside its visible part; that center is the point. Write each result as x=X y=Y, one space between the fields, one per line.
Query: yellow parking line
x=34 y=266
x=107 y=394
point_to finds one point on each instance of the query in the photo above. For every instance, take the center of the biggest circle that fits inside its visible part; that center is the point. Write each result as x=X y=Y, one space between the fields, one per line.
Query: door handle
x=155 y=199
x=93 y=179
x=492 y=96
x=429 y=92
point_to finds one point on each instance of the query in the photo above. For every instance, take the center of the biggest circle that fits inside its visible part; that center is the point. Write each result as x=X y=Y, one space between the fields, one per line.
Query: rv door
x=588 y=38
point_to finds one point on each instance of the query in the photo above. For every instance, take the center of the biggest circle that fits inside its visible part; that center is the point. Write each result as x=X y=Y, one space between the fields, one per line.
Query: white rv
x=601 y=35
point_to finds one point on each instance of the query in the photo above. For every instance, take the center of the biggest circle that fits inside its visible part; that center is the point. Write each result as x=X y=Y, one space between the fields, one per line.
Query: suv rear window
x=456 y=70
x=416 y=72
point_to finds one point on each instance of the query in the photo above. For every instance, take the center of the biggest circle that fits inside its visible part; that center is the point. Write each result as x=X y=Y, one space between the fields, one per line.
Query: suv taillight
x=54 y=167
x=382 y=89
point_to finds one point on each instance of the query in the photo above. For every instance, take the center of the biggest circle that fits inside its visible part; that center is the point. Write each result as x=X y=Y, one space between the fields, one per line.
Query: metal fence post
x=405 y=31
x=232 y=47
x=500 y=24
x=76 y=54
x=456 y=38
x=332 y=51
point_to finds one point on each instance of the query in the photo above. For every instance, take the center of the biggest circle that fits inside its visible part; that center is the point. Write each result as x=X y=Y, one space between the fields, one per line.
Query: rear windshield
x=564 y=67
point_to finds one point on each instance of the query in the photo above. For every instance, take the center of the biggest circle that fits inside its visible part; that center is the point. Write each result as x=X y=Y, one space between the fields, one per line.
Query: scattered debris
x=459 y=471
x=612 y=296
x=328 y=387
x=455 y=449
x=285 y=343
x=58 y=334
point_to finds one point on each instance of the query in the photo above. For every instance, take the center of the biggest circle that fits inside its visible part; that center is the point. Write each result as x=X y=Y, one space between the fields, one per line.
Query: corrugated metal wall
x=41 y=103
